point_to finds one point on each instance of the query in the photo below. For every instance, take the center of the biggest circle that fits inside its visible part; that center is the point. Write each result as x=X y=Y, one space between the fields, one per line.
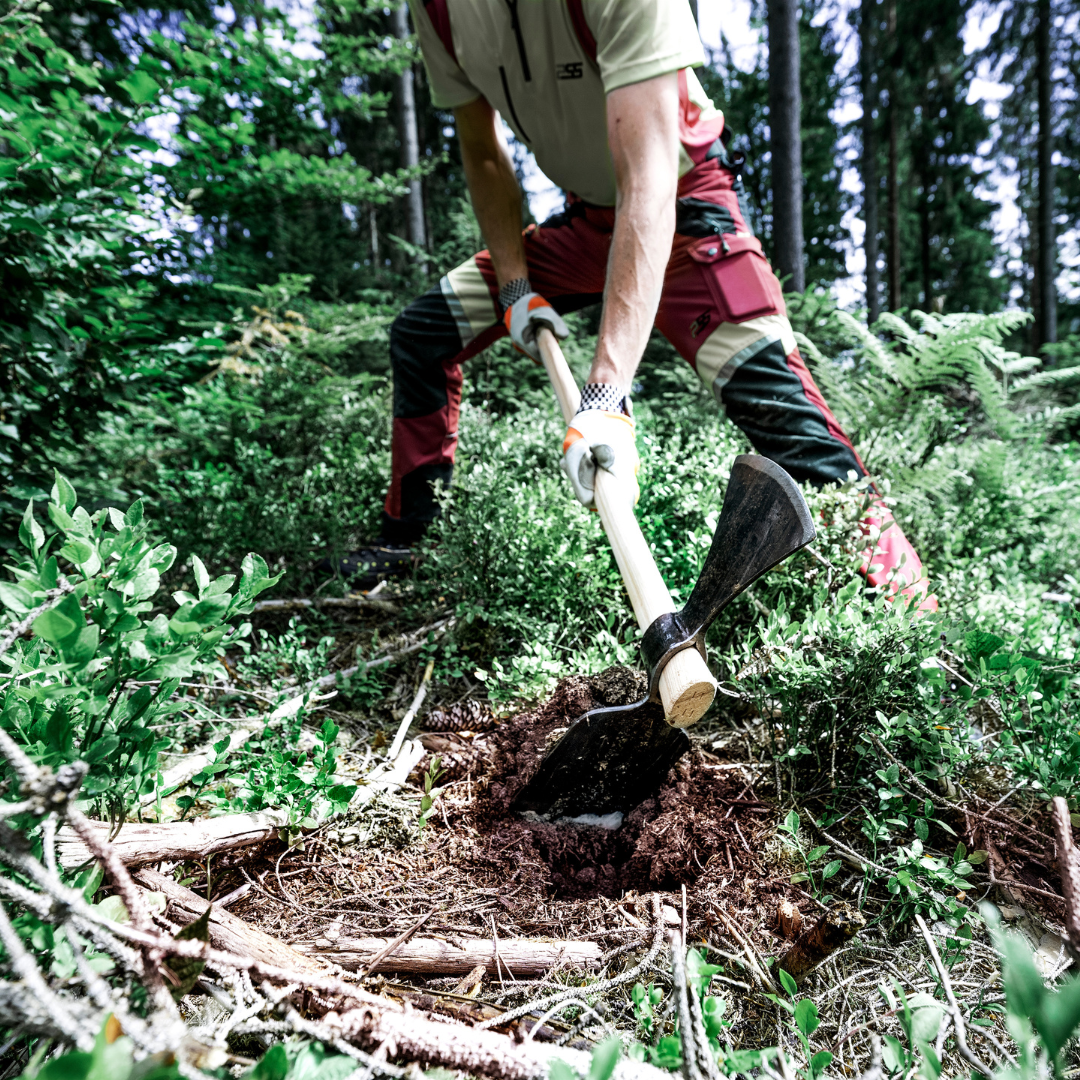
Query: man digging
x=604 y=95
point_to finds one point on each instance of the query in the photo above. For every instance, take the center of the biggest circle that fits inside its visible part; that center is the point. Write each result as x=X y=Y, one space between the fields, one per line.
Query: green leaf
x=981 y=645
x=141 y=87
x=177 y=665
x=16 y=597
x=787 y=982
x=559 y=1070
x=806 y=1017
x=791 y=822
x=63 y=494
x=202 y=578
x=830 y=870
x=30 y=533
x=187 y=970
x=820 y=1062
x=604 y=1059
x=59 y=623
x=134 y=515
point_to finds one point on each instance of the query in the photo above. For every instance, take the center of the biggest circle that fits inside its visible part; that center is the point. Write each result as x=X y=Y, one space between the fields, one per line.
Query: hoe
x=612 y=758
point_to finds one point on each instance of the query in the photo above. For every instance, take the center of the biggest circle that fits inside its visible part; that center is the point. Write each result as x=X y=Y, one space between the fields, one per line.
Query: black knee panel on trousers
x=422 y=338
x=768 y=402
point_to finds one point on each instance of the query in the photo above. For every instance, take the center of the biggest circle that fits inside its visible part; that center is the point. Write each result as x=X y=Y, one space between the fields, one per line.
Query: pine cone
x=467 y=715
x=453 y=765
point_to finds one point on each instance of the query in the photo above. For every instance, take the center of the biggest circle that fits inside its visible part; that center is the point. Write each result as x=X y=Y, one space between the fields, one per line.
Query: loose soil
x=477 y=861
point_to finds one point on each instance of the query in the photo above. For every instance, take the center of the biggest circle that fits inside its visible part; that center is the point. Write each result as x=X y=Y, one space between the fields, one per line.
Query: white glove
x=525 y=316
x=597 y=437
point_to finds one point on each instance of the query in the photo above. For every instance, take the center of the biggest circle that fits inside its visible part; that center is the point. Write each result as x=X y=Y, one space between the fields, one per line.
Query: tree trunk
x=785 y=109
x=694 y=9
x=1047 y=268
x=410 y=144
x=870 y=98
x=894 y=165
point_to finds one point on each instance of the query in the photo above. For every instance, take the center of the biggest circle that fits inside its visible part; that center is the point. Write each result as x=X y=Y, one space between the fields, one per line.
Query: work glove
x=525 y=316
x=601 y=434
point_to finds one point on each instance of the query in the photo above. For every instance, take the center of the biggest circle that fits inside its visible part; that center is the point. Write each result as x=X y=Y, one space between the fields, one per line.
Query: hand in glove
x=525 y=316
x=599 y=436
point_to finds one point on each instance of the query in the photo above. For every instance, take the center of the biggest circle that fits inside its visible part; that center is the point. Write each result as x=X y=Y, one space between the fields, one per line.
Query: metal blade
x=609 y=760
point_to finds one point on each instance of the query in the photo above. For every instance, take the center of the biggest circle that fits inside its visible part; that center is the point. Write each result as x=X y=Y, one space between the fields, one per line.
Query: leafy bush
x=97 y=681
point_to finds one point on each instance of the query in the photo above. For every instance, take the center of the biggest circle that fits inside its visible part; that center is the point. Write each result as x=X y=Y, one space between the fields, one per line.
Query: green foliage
x=601 y=1064
x=100 y=674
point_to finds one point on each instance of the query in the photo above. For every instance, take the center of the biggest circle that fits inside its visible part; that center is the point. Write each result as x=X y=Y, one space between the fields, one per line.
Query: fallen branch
x=434 y=956
x=227 y=931
x=832 y=931
x=391 y=658
x=328 y=602
x=138 y=844
x=1068 y=860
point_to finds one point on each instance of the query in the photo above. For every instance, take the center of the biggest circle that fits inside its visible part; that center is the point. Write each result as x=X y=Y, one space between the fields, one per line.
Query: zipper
x=512 y=5
x=510 y=102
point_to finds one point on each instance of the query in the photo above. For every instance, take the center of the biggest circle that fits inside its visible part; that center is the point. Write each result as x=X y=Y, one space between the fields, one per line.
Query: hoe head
x=611 y=759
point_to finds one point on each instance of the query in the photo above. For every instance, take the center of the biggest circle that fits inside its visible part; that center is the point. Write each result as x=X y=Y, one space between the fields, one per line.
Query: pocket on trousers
x=740 y=279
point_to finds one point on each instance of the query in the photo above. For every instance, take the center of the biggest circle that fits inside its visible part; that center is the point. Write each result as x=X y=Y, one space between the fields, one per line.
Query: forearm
x=640 y=249
x=494 y=190
x=644 y=141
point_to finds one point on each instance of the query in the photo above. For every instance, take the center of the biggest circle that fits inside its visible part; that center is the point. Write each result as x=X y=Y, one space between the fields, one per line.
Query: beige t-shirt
x=547 y=88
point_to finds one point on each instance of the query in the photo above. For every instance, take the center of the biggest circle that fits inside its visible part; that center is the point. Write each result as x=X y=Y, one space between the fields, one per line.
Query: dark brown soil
x=688 y=831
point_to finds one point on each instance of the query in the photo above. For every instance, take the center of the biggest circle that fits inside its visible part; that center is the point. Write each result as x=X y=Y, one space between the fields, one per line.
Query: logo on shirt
x=700 y=323
x=572 y=70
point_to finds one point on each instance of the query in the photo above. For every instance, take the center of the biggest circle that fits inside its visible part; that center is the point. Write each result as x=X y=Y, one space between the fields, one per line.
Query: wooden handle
x=687 y=687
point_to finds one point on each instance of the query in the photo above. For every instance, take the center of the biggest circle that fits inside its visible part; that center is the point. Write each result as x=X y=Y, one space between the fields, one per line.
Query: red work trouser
x=721 y=308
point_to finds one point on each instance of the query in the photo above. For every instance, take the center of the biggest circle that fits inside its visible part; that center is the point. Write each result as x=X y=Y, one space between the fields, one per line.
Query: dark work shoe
x=366 y=567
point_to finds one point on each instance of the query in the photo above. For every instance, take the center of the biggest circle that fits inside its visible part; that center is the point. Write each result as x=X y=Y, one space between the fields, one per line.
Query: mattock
x=610 y=759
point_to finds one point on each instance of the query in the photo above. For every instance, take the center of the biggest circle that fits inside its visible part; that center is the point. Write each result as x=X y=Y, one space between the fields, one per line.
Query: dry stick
x=1068 y=860
x=52 y=598
x=690 y=1070
x=327 y=602
x=757 y=971
x=410 y=715
x=398 y=941
x=597 y=988
x=959 y=1027
x=344 y=673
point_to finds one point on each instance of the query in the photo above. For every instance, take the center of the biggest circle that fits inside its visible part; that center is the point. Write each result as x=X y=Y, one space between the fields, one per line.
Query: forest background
x=206 y=229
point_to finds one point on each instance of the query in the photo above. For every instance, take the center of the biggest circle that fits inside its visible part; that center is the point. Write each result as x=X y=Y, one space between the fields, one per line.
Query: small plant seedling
x=427 y=802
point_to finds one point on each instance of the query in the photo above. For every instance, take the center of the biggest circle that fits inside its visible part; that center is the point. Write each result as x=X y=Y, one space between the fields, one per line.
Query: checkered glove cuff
x=513 y=291
x=605 y=396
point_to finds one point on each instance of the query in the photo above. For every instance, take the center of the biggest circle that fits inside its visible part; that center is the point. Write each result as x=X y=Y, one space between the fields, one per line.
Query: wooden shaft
x=687 y=687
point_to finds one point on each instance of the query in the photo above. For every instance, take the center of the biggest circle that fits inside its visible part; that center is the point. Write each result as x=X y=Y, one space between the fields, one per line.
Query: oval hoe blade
x=608 y=760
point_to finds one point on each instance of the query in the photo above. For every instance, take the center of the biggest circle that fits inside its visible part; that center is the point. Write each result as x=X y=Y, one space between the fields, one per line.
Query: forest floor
x=710 y=855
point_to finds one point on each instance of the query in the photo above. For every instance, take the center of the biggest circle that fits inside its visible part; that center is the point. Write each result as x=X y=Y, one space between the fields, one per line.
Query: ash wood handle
x=687 y=687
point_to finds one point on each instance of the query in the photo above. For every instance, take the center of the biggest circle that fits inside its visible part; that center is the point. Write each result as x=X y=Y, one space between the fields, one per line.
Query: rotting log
x=458 y=956
x=227 y=931
x=1068 y=859
x=834 y=929
x=137 y=844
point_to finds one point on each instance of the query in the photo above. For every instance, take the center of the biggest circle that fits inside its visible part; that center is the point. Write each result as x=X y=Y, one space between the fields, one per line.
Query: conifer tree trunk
x=410 y=144
x=870 y=98
x=785 y=109
x=1047 y=245
x=893 y=190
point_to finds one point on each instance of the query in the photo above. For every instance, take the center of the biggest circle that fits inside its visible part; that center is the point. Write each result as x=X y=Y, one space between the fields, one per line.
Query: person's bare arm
x=643 y=133
x=496 y=197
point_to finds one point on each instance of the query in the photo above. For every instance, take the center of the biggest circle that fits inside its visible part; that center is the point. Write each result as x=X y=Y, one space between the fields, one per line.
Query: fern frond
x=1055 y=378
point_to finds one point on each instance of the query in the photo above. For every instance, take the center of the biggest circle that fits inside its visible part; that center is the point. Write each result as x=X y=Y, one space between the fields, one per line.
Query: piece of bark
x=470 y=985
x=227 y=931
x=789 y=919
x=434 y=956
x=834 y=929
x=1068 y=860
x=172 y=841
